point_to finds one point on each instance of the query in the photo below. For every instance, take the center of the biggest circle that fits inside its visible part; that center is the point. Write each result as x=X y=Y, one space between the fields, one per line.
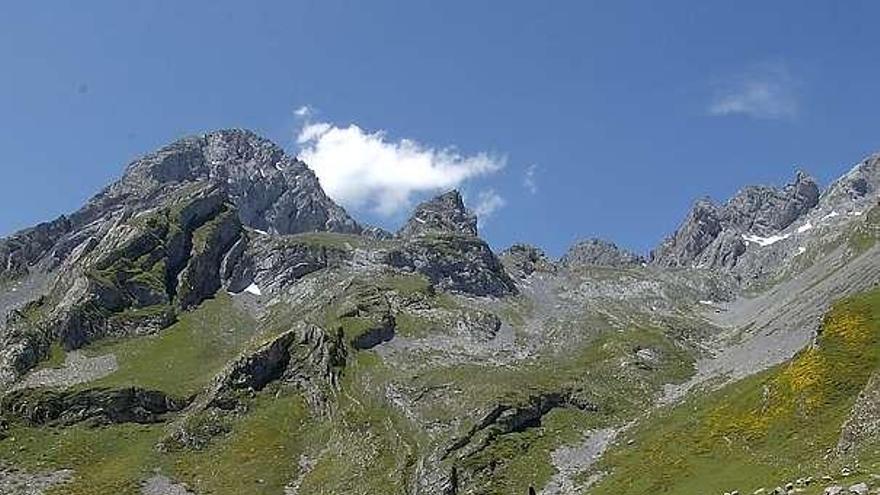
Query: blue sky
x=567 y=119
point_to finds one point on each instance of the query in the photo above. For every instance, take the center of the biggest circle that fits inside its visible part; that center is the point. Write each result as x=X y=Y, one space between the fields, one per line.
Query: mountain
x=212 y=322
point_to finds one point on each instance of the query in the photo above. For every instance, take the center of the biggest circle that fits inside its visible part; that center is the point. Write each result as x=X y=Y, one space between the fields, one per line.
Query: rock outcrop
x=24 y=248
x=36 y=407
x=455 y=263
x=712 y=235
x=132 y=281
x=275 y=262
x=860 y=183
x=599 y=252
x=370 y=314
x=445 y=214
x=502 y=419
x=440 y=241
x=521 y=260
x=305 y=356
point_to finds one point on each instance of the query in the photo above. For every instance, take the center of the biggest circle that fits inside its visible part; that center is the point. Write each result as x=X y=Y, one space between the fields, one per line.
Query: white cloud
x=488 y=202
x=766 y=91
x=303 y=112
x=529 y=180
x=361 y=169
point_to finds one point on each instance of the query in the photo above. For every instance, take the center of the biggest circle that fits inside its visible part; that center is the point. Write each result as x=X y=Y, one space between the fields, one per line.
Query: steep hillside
x=809 y=418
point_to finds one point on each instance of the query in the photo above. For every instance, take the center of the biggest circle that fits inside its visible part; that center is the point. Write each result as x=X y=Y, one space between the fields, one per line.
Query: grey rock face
x=599 y=252
x=521 y=260
x=699 y=229
x=271 y=191
x=455 y=263
x=440 y=241
x=274 y=263
x=445 y=214
x=711 y=235
x=26 y=247
x=863 y=180
x=764 y=210
x=371 y=308
x=131 y=281
x=97 y=406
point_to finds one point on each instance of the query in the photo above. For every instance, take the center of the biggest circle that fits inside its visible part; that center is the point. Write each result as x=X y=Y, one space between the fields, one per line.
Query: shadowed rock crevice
x=275 y=263
x=502 y=419
x=509 y=418
x=40 y=407
x=365 y=316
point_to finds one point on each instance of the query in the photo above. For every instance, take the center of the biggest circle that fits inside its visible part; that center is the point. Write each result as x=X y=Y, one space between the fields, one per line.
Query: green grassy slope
x=773 y=427
x=367 y=443
x=181 y=359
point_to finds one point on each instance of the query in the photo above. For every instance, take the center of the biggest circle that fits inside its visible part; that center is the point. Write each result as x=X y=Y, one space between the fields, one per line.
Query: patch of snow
x=417 y=219
x=765 y=241
x=261 y=231
x=707 y=302
x=800 y=250
x=262 y=173
x=805 y=227
x=254 y=289
x=278 y=167
x=855 y=213
x=830 y=215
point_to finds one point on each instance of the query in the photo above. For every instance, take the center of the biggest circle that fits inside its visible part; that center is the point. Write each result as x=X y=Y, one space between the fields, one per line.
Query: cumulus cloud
x=362 y=169
x=529 y=180
x=766 y=91
x=488 y=202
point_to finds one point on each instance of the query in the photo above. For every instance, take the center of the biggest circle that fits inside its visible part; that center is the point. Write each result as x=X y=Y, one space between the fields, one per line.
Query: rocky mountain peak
x=271 y=190
x=444 y=214
x=860 y=182
x=764 y=210
x=711 y=234
x=599 y=252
